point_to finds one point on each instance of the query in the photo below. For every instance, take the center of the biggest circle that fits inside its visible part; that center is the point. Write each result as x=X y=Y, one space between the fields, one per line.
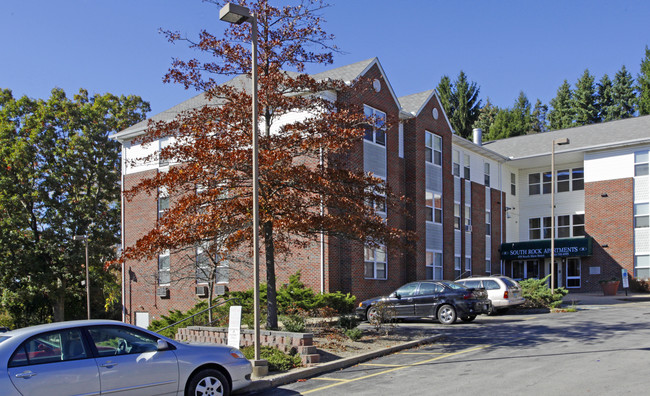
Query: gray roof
x=344 y=73
x=589 y=137
x=413 y=103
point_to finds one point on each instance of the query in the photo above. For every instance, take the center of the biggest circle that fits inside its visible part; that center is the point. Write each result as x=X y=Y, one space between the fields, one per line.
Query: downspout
x=122 y=238
x=501 y=216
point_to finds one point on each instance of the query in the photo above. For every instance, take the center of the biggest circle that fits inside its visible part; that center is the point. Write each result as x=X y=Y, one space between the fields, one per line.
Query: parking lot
x=597 y=350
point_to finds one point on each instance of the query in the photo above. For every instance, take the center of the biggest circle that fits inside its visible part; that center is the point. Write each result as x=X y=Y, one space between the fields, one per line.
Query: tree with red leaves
x=305 y=185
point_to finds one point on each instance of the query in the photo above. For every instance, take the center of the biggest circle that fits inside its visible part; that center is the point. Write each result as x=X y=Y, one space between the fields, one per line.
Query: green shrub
x=296 y=295
x=538 y=294
x=354 y=334
x=294 y=323
x=348 y=322
x=278 y=360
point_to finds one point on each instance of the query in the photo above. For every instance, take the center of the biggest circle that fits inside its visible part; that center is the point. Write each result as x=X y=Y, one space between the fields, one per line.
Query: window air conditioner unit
x=220 y=290
x=468 y=228
x=162 y=292
x=202 y=291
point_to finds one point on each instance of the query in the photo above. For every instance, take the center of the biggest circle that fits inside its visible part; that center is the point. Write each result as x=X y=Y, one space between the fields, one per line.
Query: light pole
x=85 y=239
x=237 y=14
x=559 y=142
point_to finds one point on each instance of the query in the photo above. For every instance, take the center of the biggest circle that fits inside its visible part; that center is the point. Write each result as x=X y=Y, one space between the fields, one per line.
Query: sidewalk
x=597 y=298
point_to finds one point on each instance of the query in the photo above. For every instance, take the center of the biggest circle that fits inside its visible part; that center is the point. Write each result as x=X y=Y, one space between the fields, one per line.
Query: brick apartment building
x=470 y=202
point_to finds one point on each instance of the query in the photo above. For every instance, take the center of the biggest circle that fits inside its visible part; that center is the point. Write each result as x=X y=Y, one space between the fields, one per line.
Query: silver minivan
x=503 y=291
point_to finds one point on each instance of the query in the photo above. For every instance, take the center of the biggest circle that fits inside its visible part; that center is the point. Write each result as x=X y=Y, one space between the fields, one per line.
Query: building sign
x=565 y=247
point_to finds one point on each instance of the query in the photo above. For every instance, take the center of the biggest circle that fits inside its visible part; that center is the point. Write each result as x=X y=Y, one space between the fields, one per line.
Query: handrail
x=198 y=313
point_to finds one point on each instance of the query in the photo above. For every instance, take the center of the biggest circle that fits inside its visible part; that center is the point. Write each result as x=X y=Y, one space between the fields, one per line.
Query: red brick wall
x=609 y=221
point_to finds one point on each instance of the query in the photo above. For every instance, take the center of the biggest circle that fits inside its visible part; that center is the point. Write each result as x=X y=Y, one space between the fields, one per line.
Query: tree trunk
x=58 y=305
x=271 y=294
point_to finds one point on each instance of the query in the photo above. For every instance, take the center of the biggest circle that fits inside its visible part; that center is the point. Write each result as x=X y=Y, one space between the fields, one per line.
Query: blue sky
x=505 y=46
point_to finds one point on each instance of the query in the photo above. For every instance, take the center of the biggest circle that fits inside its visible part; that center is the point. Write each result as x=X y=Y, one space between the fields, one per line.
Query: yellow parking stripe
x=380 y=365
x=396 y=368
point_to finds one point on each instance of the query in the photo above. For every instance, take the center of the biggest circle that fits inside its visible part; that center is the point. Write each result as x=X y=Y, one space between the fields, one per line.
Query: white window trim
x=374 y=128
x=167 y=254
x=375 y=262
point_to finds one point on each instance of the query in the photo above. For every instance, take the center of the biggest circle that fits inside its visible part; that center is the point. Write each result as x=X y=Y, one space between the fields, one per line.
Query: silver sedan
x=96 y=357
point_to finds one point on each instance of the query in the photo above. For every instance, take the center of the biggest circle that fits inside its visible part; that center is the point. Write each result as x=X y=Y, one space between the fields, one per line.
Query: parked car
x=442 y=300
x=108 y=357
x=504 y=292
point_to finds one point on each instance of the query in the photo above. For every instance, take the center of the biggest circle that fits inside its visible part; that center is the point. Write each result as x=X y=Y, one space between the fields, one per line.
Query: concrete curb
x=307 y=372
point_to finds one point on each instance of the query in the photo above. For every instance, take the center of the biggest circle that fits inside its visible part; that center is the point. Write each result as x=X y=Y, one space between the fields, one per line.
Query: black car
x=443 y=300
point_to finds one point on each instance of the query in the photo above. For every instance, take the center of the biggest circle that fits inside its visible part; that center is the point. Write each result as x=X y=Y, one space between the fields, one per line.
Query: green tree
x=502 y=127
x=643 y=84
x=59 y=177
x=605 y=100
x=486 y=116
x=562 y=114
x=624 y=96
x=512 y=122
x=461 y=103
x=584 y=100
x=538 y=117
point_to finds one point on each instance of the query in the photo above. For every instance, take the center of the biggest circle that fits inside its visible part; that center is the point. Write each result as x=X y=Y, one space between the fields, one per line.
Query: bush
x=348 y=322
x=278 y=360
x=294 y=323
x=296 y=295
x=354 y=334
x=538 y=294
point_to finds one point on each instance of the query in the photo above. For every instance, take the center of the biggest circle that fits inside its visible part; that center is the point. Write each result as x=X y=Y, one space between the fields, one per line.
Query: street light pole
x=559 y=141
x=237 y=14
x=85 y=239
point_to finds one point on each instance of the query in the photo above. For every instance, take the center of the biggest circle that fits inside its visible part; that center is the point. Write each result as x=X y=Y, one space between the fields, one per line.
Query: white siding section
x=374 y=158
x=138 y=151
x=642 y=240
x=609 y=165
x=641 y=189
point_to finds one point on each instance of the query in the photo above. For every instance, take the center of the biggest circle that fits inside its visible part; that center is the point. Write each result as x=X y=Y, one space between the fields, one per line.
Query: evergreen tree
x=562 y=114
x=522 y=116
x=486 y=116
x=584 y=100
x=461 y=103
x=623 y=94
x=538 y=117
x=643 y=84
x=502 y=127
x=605 y=100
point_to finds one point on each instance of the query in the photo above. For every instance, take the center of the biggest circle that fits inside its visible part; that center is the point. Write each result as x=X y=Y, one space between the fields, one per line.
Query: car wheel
x=446 y=314
x=468 y=319
x=208 y=382
x=371 y=314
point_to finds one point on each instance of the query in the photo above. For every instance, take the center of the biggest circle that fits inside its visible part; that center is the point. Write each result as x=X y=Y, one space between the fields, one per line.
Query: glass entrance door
x=573 y=268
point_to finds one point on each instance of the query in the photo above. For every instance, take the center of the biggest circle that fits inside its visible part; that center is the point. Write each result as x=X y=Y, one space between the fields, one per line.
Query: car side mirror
x=397 y=296
x=162 y=345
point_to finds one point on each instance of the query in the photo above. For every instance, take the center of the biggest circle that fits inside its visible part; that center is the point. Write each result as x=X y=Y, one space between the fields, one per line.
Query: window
x=456 y=216
x=163 y=143
x=434 y=207
x=455 y=157
x=642 y=266
x=563 y=226
x=468 y=218
x=578 y=225
x=534 y=228
x=379 y=203
x=534 y=184
x=204 y=266
x=466 y=163
x=376 y=130
x=547 y=181
x=375 y=263
x=641 y=163
x=578 y=179
x=488 y=224
x=486 y=171
x=468 y=265
x=488 y=266
x=641 y=215
x=57 y=346
x=434 y=265
x=546 y=221
x=164 y=275
x=513 y=184
x=163 y=201
x=433 y=148
x=118 y=340
x=457 y=268
x=573 y=273
x=563 y=180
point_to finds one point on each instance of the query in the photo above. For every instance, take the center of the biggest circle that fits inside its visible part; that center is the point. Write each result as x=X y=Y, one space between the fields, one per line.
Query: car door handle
x=26 y=374
x=108 y=365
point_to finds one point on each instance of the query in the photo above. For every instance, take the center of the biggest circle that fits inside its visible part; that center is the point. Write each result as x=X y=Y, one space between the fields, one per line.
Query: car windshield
x=454 y=285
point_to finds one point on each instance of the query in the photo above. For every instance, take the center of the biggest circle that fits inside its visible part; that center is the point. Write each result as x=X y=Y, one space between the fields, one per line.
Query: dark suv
x=443 y=300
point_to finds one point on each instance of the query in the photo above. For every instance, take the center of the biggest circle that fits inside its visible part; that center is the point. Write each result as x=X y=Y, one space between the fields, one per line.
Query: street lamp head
x=561 y=141
x=234 y=13
x=79 y=237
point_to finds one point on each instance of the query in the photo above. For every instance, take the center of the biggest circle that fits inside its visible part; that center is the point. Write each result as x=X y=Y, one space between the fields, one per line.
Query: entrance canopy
x=565 y=247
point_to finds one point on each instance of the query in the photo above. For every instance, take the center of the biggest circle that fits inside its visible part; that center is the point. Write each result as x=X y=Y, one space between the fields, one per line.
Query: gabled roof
x=414 y=103
x=347 y=73
x=610 y=134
